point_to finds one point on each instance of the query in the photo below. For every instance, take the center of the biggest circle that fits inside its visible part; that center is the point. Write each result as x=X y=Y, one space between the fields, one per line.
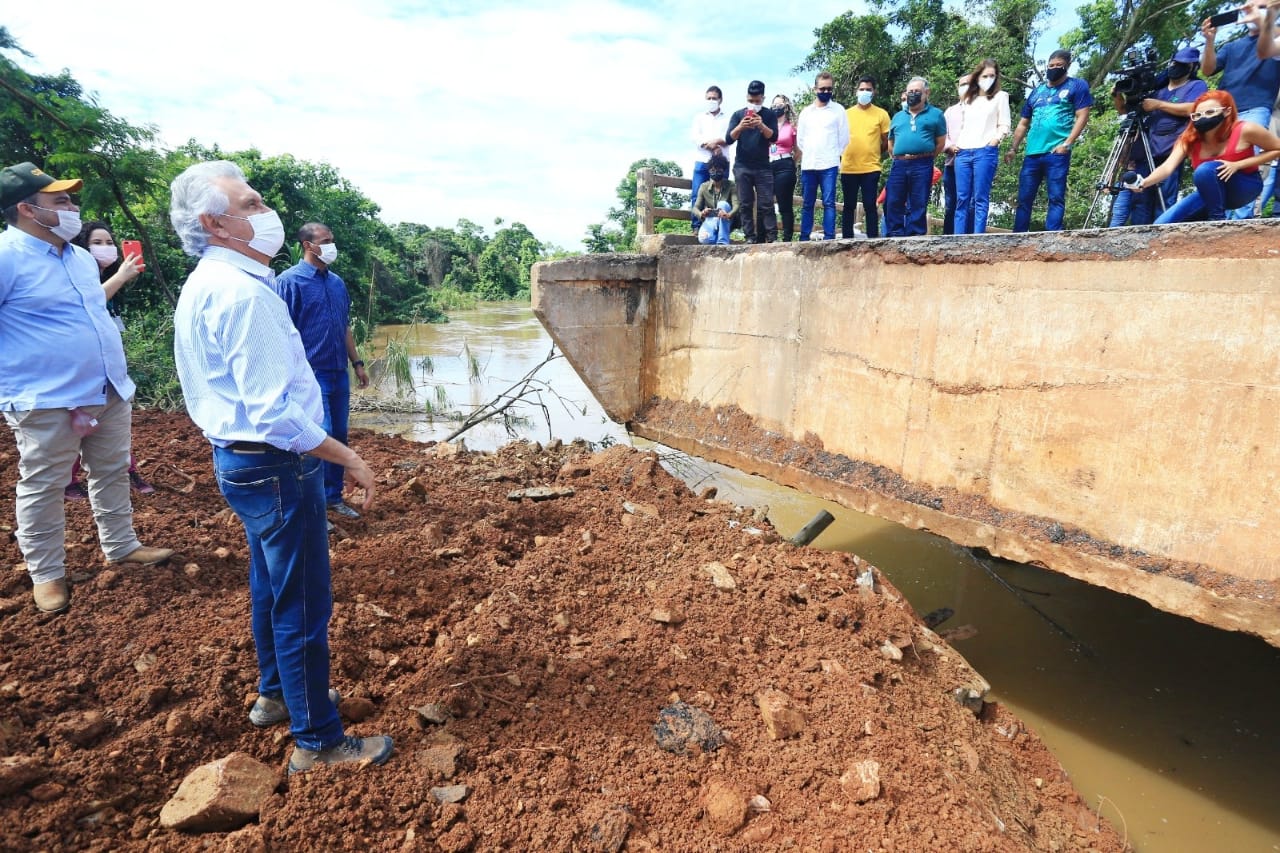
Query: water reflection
x=1171 y=721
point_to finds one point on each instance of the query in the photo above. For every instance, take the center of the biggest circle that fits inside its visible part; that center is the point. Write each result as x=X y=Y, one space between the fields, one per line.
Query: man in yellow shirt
x=860 y=165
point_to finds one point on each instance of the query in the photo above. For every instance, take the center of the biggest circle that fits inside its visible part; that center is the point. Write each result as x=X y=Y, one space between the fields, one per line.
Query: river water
x=1170 y=728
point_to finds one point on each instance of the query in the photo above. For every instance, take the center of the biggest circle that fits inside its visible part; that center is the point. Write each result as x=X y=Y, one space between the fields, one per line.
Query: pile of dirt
x=521 y=653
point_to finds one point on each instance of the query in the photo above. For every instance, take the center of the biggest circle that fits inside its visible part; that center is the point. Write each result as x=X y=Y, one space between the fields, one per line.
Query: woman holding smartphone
x=114 y=272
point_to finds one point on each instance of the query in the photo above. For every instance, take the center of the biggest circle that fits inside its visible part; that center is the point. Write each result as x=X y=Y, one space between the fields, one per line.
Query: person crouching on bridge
x=717 y=203
x=1225 y=168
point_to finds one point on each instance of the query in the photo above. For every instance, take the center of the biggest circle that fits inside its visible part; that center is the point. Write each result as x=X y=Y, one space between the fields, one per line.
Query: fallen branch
x=528 y=386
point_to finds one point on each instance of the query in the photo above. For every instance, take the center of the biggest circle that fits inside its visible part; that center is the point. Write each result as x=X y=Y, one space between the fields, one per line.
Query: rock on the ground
x=782 y=719
x=220 y=796
x=862 y=781
x=725 y=807
x=720 y=577
x=609 y=833
x=681 y=726
x=357 y=709
x=17 y=771
x=450 y=793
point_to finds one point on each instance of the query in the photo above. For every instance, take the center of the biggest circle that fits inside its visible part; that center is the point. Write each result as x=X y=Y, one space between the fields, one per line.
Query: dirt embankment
x=535 y=628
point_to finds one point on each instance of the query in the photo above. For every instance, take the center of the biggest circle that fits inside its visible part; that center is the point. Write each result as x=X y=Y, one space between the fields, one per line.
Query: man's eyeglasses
x=1207 y=114
x=826 y=88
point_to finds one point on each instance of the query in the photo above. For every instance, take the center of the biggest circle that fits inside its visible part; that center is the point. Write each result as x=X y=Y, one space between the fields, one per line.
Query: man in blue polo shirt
x=1052 y=120
x=64 y=389
x=1250 y=70
x=917 y=134
x=321 y=311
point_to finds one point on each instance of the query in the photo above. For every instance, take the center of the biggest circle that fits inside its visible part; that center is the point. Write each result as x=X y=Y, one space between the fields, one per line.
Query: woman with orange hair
x=1221 y=148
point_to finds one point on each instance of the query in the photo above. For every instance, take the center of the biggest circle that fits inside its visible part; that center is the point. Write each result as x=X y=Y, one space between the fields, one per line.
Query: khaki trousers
x=47 y=447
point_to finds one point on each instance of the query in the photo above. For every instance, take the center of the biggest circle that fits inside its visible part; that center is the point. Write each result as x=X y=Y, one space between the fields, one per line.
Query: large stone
x=16 y=771
x=220 y=796
x=862 y=781
x=781 y=718
x=725 y=807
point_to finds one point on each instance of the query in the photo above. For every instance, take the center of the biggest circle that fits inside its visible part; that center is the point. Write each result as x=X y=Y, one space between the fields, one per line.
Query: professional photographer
x=1248 y=72
x=1167 y=112
x=1225 y=166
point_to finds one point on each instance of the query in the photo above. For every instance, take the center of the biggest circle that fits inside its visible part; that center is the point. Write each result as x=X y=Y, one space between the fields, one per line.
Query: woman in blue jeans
x=984 y=124
x=1221 y=151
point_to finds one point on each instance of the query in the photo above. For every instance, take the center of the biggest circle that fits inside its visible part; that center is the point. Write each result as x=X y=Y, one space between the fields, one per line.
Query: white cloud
x=436 y=111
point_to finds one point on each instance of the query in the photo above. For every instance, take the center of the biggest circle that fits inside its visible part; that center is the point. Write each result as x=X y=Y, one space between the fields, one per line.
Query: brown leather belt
x=913 y=156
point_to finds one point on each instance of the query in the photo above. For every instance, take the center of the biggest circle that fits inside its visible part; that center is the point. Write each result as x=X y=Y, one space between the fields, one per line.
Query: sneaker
x=75 y=491
x=375 y=750
x=343 y=510
x=51 y=596
x=140 y=485
x=267 y=711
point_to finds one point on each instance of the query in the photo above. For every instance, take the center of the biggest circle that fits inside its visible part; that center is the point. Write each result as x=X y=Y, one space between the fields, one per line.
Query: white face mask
x=755 y=108
x=864 y=97
x=963 y=90
x=68 y=227
x=328 y=253
x=985 y=83
x=712 y=105
x=104 y=255
x=268 y=232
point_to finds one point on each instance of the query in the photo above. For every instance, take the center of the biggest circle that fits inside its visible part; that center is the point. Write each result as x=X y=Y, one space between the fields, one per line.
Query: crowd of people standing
x=1224 y=132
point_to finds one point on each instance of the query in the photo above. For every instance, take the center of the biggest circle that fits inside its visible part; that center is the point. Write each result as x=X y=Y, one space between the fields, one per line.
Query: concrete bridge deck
x=1102 y=403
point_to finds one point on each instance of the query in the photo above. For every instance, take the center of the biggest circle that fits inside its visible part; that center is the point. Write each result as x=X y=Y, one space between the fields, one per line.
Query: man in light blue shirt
x=248 y=386
x=64 y=390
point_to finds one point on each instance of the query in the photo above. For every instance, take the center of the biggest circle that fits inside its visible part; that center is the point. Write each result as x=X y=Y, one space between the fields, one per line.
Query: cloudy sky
x=437 y=110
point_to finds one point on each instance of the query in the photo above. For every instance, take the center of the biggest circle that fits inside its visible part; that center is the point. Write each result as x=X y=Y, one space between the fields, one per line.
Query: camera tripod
x=1131 y=133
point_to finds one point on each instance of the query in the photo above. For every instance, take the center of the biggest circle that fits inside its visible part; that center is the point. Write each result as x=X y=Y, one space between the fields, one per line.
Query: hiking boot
x=267 y=711
x=75 y=491
x=140 y=485
x=145 y=556
x=51 y=596
x=375 y=750
x=340 y=508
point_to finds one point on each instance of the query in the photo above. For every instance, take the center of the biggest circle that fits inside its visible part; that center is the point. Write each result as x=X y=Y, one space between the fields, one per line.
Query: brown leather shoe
x=52 y=596
x=146 y=556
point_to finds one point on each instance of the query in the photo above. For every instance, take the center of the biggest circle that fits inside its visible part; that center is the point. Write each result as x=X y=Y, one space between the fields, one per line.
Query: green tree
x=618 y=233
x=1110 y=30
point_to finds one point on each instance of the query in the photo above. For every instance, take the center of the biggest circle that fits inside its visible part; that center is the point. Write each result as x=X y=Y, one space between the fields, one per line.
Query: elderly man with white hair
x=248 y=386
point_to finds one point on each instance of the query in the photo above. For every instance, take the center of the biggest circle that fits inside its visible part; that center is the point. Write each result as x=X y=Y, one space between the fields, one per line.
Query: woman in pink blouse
x=784 y=165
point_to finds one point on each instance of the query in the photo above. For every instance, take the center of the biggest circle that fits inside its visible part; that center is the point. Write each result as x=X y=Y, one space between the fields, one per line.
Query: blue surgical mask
x=864 y=97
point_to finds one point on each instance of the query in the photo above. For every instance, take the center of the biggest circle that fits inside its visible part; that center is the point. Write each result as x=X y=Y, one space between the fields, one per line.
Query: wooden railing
x=647 y=213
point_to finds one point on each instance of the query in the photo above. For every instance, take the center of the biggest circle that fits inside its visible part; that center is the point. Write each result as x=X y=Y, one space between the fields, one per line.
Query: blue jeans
x=1213 y=197
x=335 y=395
x=715 y=231
x=1257 y=115
x=975 y=172
x=949 y=198
x=866 y=184
x=906 y=198
x=809 y=180
x=700 y=176
x=279 y=499
x=1052 y=170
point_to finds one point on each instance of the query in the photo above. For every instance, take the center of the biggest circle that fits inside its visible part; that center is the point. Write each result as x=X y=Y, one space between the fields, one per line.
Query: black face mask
x=1055 y=74
x=1178 y=70
x=914 y=98
x=717 y=176
x=1205 y=125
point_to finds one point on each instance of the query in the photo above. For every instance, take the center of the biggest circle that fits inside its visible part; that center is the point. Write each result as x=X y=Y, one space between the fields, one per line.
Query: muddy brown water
x=1166 y=726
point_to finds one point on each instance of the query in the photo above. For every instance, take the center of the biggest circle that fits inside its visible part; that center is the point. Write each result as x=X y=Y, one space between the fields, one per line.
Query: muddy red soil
x=523 y=649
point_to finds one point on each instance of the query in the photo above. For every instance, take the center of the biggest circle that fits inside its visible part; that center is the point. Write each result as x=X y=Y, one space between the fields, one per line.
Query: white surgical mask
x=712 y=105
x=755 y=108
x=985 y=83
x=962 y=90
x=864 y=97
x=104 y=255
x=268 y=232
x=328 y=253
x=68 y=227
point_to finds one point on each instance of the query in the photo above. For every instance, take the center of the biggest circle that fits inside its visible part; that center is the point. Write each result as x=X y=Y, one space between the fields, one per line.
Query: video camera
x=1143 y=72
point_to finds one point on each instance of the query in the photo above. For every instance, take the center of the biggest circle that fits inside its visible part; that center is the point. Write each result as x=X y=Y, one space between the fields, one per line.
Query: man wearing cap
x=248 y=386
x=752 y=129
x=320 y=308
x=1169 y=111
x=62 y=367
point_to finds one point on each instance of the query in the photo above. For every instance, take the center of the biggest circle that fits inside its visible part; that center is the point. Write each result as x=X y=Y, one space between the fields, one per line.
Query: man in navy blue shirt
x=321 y=311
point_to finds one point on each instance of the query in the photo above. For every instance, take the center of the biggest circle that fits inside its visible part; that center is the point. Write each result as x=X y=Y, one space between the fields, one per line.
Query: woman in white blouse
x=985 y=116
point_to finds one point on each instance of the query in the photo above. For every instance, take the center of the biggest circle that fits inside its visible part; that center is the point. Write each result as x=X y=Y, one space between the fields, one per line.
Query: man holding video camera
x=1250 y=70
x=1168 y=109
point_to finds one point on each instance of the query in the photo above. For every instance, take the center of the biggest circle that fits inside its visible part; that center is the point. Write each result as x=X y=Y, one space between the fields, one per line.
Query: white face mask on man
x=328 y=253
x=68 y=227
x=268 y=232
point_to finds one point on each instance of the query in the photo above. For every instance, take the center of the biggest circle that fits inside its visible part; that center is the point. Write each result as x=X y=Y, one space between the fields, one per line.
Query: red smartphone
x=132 y=248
